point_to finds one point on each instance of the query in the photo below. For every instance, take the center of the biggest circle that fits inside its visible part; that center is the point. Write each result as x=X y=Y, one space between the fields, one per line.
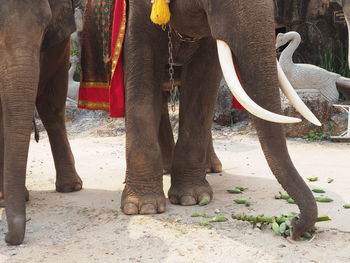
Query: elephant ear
x=62 y=24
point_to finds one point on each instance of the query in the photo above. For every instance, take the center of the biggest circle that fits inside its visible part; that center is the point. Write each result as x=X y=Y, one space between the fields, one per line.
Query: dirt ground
x=88 y=226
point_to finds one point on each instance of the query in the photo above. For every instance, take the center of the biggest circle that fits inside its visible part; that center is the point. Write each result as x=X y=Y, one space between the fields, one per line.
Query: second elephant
x=247 y=28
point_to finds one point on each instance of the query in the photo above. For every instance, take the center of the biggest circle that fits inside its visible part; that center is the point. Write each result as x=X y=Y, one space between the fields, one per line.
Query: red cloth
x=235 y=104
x=116 y=95
x=103 y=94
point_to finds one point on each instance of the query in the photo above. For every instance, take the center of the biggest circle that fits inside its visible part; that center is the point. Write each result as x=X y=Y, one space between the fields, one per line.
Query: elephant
x=208 y=33
x=34 y=51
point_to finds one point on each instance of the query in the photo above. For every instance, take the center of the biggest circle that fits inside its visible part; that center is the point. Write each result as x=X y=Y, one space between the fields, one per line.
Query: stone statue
x=73 y=86
x=307 y=79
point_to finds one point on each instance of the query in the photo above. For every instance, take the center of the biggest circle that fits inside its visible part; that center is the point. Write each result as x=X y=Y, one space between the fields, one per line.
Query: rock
x=339 y=122
x=320 y=107
x=222 y=114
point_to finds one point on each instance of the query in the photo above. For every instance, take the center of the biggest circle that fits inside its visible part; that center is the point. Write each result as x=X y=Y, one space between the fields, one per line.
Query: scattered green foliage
x=242 y=201
x=282 y=195
x=312 y=179
x=199 y=215
x=203 y=202
x=318 y=190
x=323 y=199
x=290 y=201
x=281 y=225
x=205 y=223
x=317 y=135
x=237 y=190
x=323 y=218
x=219 y=218
x=346 y=206
x=234 y=191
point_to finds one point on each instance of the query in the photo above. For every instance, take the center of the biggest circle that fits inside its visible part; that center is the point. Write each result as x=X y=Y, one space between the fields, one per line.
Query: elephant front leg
x=17 y=124
x=197 y=99
x=143 y=192
x=50 y=104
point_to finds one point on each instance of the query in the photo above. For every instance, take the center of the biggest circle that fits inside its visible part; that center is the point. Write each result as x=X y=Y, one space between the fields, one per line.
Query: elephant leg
x=166 y=137
x=50 y=104
x=143 y=192
x=197 y=99
x=213 y=163
x=18 y=107
x=167 y=143
x=2 y=201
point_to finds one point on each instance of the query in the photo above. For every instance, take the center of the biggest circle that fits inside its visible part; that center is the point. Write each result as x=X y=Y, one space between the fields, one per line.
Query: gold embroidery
x=119 y=43
x=100 y=85
x=93 y=105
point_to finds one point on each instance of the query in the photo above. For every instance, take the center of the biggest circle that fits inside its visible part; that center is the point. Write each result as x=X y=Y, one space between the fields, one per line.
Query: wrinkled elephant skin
x=34 y=52
x=248 y=28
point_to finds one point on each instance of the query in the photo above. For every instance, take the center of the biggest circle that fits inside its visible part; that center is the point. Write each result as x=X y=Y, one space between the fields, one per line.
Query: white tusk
x=230 y=75
x=294 y=98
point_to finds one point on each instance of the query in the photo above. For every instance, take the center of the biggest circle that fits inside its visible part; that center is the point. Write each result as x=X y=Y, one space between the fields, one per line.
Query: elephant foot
x=16 y=232
x=67 y=184
x=213 y=164
x=135 y=200
x=190 y=193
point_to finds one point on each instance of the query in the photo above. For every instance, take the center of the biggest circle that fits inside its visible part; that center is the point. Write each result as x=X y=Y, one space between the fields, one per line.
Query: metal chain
x=171 y=72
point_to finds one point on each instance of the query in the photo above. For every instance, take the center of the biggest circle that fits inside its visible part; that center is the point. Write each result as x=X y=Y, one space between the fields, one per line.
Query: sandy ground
x=88 y=226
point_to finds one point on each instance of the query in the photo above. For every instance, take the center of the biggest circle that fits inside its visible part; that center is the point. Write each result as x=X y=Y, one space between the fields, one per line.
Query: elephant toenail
x=130 y=209
x=148 y=209
x=188 y=200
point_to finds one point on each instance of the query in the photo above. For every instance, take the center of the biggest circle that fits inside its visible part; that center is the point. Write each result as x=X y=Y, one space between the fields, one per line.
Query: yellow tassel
x=160 y=12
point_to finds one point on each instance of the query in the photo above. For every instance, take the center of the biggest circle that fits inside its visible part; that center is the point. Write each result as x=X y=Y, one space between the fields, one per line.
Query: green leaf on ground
x=203 y=202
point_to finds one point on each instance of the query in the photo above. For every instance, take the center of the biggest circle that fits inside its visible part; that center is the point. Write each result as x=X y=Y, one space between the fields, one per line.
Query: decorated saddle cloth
x=101 y=85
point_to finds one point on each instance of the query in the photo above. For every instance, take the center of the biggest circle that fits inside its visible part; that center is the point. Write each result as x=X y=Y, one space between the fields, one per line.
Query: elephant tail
x=36 y=131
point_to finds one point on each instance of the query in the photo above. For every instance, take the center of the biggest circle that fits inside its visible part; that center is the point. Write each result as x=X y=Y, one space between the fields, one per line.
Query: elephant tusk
x=294 y=98
x=230 y=75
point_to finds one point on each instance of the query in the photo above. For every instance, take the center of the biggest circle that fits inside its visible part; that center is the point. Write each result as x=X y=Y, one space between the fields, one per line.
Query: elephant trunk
x=277 y=156
x=264 y=88
x=255 y=59
x=20 y=76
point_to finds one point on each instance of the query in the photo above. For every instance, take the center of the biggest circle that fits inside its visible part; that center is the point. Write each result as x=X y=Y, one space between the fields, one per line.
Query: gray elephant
x=34 y=52
x=208 y=33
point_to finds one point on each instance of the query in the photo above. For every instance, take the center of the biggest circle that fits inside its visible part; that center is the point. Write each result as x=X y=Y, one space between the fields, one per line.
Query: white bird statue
x=307 y=77
x=73 y=86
